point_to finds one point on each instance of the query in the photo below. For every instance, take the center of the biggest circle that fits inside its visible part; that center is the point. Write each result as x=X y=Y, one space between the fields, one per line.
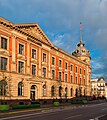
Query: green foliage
x=4 y=107
x=26 y=106
x=56 y=104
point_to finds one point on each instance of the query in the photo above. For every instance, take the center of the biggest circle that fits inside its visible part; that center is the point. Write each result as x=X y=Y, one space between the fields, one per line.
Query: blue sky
x=60 y=19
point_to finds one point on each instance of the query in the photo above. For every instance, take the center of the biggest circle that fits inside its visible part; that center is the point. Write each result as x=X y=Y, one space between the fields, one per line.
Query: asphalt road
x=82 y=112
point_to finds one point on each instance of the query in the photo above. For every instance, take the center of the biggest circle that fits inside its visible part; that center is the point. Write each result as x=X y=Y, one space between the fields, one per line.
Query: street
x=81 y=112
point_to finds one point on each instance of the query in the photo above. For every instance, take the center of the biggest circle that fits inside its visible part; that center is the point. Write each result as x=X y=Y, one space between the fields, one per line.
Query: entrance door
x=32 y=92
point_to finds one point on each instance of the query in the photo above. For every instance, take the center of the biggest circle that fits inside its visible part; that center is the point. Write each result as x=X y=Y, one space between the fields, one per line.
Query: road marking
x=26 y=115
x=97 y=118
x=72 y=116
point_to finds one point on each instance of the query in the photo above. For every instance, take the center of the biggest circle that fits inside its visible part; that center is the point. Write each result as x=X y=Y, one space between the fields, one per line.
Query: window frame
x=20 y=67
x=60 y=76
x=53 y=76
x=44 y=72
x=3 y=65
x=44 y=58
x=53 y=60
x=33 y=70
x=21 y=49
x=60 y=63
x=20 y=89
x=4 y=45
x=66 y=77
x=34 y=53
x=66 y=65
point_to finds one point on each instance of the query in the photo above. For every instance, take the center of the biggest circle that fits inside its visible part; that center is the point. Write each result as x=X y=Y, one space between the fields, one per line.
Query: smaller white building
x=98 y=87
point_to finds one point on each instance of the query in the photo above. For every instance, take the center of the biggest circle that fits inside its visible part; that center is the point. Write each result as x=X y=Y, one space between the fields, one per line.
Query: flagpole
x=80 y=31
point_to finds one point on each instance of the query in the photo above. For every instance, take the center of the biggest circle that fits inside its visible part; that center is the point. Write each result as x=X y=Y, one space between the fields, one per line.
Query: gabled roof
x=32 y=30
x=101 y=79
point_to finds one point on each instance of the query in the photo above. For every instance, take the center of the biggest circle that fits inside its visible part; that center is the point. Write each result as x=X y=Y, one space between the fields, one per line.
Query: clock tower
x=81 y=52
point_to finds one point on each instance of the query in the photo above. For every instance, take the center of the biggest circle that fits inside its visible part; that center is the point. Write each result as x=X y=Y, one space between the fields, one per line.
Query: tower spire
x=81 y=32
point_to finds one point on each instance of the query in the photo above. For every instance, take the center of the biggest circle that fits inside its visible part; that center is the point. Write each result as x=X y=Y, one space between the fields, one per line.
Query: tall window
x=76 y=80
x=3 y=88
x=52 y=91
x=65 y=77
x=76 y=69
x=33 y=69
x=44 y=57
x=66 y=91
x=21 y=49
x=20 y=67
x=3 y=43
x=53 y=74
x=71 y=79
x=71 y=91
x=80 y=81
x=33 y=53
x=60 y=76
x=44 y=90
x=44 y=72
x=60 y=63
x=66 y=66
x=80 y=71
x=53 y=61
x=71 y=67
x=20 y=89
x=60 y=91
x=3 y=63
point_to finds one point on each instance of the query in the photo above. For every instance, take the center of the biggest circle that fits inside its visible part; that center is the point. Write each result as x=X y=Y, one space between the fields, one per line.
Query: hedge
x=26 y=106
x=56 y=104
x=4 y=107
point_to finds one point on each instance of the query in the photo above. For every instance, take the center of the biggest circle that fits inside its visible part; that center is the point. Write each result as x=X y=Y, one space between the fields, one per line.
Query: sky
x=60 y=21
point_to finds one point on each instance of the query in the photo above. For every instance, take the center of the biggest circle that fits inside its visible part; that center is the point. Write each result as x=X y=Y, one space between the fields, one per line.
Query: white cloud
x=60 y=20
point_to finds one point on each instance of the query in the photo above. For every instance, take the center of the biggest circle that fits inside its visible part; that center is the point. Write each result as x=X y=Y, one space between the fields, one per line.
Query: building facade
x=98 y=87
x=32 y=68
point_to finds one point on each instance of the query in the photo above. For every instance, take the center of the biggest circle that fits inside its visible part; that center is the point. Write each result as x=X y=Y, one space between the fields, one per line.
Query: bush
x=56 y=104
x=4 y=107
x=26 y=106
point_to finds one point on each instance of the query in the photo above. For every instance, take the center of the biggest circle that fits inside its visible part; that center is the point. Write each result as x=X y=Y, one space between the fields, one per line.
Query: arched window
x=3 y=88
x=32 y=92
x=52 y=91
x=76 y=92
x=44 y=90
x=84 y=92
x=20 y=89
x=71 y=91
x=60 y=89
x=66 y=91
